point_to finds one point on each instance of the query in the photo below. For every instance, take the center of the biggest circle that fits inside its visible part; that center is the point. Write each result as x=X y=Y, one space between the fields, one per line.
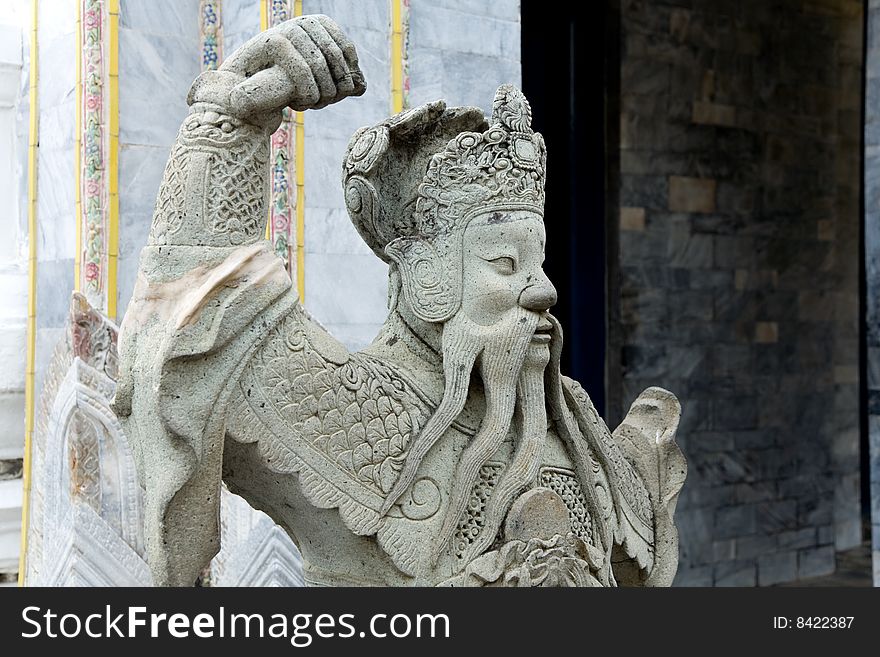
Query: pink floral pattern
x=93 y=175
x=282 y=202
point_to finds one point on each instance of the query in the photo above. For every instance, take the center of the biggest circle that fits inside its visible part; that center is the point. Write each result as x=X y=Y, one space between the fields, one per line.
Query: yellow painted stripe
x=300 y=207
x=396 y=56
x=77 y=156
x=300 y=190
x=113 y=155
x=33 y=145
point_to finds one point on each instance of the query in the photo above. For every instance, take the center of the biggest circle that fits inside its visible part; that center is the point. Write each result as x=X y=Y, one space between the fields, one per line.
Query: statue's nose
x=538 y=296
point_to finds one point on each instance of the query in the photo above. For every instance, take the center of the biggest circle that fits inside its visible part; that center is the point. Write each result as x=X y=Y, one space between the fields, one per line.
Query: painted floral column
x=285 y=194
x=97 y=147
x=211 y=33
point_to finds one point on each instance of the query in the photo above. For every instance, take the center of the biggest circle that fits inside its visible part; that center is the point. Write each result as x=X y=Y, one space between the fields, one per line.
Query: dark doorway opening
x=570 y=61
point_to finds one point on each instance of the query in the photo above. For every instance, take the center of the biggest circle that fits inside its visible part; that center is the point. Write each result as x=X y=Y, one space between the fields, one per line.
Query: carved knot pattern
x=502 y=168
x=360 y=415
x=169 y=214
x=566 y=485
x=471 y=524
x=213 y=189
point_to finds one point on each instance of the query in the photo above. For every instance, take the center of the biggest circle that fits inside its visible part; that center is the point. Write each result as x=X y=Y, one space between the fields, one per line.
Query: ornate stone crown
x=413 y=182
x=429 y=169
x=503 y=168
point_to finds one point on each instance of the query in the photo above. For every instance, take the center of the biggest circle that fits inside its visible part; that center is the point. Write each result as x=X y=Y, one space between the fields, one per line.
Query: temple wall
x=739 y=258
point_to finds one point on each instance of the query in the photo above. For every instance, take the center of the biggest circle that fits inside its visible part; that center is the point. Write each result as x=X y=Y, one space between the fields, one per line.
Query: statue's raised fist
x=304 y=63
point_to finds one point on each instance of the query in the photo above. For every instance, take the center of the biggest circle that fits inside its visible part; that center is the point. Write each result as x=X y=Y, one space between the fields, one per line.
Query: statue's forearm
x=213 y=191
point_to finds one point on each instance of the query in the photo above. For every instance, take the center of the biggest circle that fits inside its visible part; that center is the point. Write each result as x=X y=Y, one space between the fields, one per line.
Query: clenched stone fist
x=304 y=63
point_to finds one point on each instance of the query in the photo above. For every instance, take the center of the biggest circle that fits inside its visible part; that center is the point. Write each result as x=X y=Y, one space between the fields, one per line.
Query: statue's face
x=501 y=333
x=503 y=255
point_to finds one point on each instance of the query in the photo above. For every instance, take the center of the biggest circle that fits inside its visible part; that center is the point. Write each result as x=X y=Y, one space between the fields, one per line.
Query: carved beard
x=511 y=369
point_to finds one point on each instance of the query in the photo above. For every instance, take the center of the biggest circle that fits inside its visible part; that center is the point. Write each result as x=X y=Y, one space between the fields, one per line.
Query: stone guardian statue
x=451 y=451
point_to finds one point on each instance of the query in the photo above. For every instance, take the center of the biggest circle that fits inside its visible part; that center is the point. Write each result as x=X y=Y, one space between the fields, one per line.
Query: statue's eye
x=504 y=264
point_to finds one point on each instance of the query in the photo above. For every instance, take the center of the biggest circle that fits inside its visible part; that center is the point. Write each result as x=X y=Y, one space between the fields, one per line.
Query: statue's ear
x=431 y=282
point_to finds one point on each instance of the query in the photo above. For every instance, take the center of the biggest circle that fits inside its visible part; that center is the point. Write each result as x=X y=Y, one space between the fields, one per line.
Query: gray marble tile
x=56 y=204
x=472 y=79
x=503 y=9
x=58 y=55
x=56 y=19
x=346 y=289
x=167 y=17
x=350 y=15
x=433 y=26
x=140 y=173
x=329 y=230
x=426 y=75
x=54 y=287
x=155 y=73
x=241 y=21
x=323 y=172
x=58 y=126
x=134 y=227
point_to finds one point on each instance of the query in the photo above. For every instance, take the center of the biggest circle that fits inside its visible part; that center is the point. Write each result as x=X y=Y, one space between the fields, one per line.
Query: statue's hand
x=304 y=63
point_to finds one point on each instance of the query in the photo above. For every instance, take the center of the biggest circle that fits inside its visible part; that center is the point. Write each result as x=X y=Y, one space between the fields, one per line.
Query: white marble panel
x=10 y=524
x=155 y=73
x=346 y=289
x=12 y=350
x=134 y=227
x=10 y=44
x=432 y=26
x=56 y=204
x=58 y=126
x=472 y=79
x=329 y=230
x=323 y=172
x=56 y=18
x=12 y=416
x=504 y=9
x=426 y=76
x=241 y=21
x=371 y=14
x=58 y=69
x=140 y=173
x=54 y=287
x=166 y=17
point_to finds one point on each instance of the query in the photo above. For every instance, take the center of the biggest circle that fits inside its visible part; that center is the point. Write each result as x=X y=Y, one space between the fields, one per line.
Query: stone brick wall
x=739 y=222
x=872 y=263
